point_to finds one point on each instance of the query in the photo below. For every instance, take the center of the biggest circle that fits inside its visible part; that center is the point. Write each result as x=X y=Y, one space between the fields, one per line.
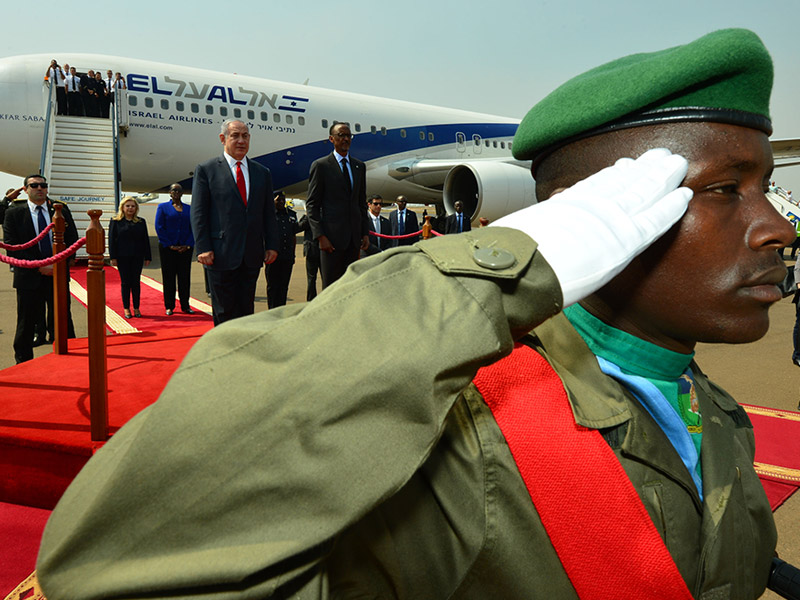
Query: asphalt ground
x=759 y=373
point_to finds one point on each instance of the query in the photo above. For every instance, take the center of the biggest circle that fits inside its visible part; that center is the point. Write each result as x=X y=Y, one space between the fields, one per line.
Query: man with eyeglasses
x=23 y=222
x=377 y=224
x=336 y=206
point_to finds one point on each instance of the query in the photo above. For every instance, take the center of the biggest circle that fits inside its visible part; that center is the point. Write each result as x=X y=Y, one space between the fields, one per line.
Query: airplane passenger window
x=276 y=117
x=209 y=109
x=264 y=116
x=422 y=135
x=358 y=126
x=486 y=143
x=301 y=120
x=195 y=107
x=494 y=144
x=509 y=145
x=383 y=130
x=179 y=105
x=502 y=144
x=289 y=119
x=223 y=110
x=476 y=139
x=373 y=129
x=402 y=133
x=133 y=100
x=164 y=103
x=430 y=136
x=237 y=112
x=148 y=102
x=325 y=123
x=251 y=114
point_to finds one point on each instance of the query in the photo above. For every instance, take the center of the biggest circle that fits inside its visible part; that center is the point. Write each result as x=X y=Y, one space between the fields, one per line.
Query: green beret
x=724 y=77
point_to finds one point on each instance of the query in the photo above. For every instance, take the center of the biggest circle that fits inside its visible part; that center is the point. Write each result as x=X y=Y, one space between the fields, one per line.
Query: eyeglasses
x=343 y=136
x=37 y=185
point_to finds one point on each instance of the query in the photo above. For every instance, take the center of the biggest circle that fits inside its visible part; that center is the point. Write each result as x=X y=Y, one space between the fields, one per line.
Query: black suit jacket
x=451 y=223
x=378 y=244
x=332 y=212
x=411 y=226
x=18 y=228
x=220 y=221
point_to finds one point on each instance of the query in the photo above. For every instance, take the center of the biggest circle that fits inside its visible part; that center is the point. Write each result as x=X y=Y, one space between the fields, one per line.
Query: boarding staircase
x=80 y=159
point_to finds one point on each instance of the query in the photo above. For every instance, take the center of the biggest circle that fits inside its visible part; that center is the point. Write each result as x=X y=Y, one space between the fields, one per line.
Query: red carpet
x=20 y=531
x=44 y=428
x=777 y=451
x=151 y=305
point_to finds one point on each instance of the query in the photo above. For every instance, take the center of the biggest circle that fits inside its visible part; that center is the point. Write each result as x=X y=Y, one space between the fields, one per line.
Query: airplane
x=168 y=120
x=170 y=117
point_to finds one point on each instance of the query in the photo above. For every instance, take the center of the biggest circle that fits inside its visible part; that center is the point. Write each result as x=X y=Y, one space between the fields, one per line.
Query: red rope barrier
x=400 y=237
x=35 y=264
x=28 y=244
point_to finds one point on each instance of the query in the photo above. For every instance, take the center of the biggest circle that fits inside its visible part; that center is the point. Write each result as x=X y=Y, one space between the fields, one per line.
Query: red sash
x=593 y=515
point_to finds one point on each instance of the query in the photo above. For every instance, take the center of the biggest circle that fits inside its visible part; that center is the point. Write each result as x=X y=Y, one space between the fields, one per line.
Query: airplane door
x=461 y=142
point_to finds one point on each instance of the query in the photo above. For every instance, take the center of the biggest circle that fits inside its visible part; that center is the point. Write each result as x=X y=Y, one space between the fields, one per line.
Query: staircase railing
x=46 y=161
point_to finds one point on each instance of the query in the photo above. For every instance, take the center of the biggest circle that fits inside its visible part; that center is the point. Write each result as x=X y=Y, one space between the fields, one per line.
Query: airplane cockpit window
x=289 y=119
x=195 y=107
x=148 y=102
x=223 y=111
x=133 y=100
x=164 y=104
x=237 y=112
x=179 y=105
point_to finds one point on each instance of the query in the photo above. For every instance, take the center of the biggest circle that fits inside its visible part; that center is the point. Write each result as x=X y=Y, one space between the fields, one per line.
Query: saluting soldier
x=393 y=475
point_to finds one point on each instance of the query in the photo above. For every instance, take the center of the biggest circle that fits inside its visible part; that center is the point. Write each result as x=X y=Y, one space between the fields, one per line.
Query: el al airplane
x=168 y=121
x=170 y=116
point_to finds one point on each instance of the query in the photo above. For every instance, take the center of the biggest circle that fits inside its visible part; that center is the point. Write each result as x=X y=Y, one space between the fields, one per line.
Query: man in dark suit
x=23 y=222
x=233 y=221
x=377 y=224
x=336 y=206
x=403 y=222
x=458 y=221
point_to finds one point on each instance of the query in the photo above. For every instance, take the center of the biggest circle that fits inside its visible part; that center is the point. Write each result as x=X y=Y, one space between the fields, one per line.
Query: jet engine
x=489 y=189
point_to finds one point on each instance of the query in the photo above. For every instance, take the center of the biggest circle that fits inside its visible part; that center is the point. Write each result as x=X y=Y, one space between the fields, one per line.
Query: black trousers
x=233 y=293
x=130 y=278
x=175 y=266
x=30 y=308
x=332 y=265
x=75 y=104
x=311 y=251
x=61 y=100
x=278 y=275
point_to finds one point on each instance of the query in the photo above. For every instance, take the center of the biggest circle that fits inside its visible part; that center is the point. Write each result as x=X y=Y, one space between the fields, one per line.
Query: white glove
x=591 y=231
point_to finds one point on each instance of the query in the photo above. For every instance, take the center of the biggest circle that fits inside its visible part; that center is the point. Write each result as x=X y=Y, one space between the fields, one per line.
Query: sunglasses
x=37 y=185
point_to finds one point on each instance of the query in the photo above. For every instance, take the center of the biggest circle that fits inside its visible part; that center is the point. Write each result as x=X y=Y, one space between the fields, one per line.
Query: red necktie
x=240 y=182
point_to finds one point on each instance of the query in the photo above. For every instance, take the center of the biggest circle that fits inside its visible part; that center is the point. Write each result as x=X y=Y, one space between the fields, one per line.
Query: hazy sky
x=499 y=57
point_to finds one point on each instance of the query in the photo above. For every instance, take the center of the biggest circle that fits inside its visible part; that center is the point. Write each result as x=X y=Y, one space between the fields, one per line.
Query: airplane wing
x=786 y=152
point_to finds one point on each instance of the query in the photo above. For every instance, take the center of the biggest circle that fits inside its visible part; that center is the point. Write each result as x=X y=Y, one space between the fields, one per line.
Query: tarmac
x=760 y=373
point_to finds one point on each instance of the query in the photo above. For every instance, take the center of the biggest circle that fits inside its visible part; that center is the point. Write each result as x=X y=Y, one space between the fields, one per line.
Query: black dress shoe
x=39 y=341
x=169 y=312
x=188 y=311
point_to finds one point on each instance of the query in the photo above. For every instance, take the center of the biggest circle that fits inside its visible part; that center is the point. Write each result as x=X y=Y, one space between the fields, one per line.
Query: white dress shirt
x=245 y=171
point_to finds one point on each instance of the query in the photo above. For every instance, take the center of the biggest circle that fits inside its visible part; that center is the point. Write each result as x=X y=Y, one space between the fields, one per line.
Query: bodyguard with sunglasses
x=23 y=222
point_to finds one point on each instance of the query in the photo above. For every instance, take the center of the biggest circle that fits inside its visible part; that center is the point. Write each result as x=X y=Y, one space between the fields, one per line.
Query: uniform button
x=494 y=258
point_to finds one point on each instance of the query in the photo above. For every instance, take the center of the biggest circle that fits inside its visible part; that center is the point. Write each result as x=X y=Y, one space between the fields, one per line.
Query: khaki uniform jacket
x=262 y=471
